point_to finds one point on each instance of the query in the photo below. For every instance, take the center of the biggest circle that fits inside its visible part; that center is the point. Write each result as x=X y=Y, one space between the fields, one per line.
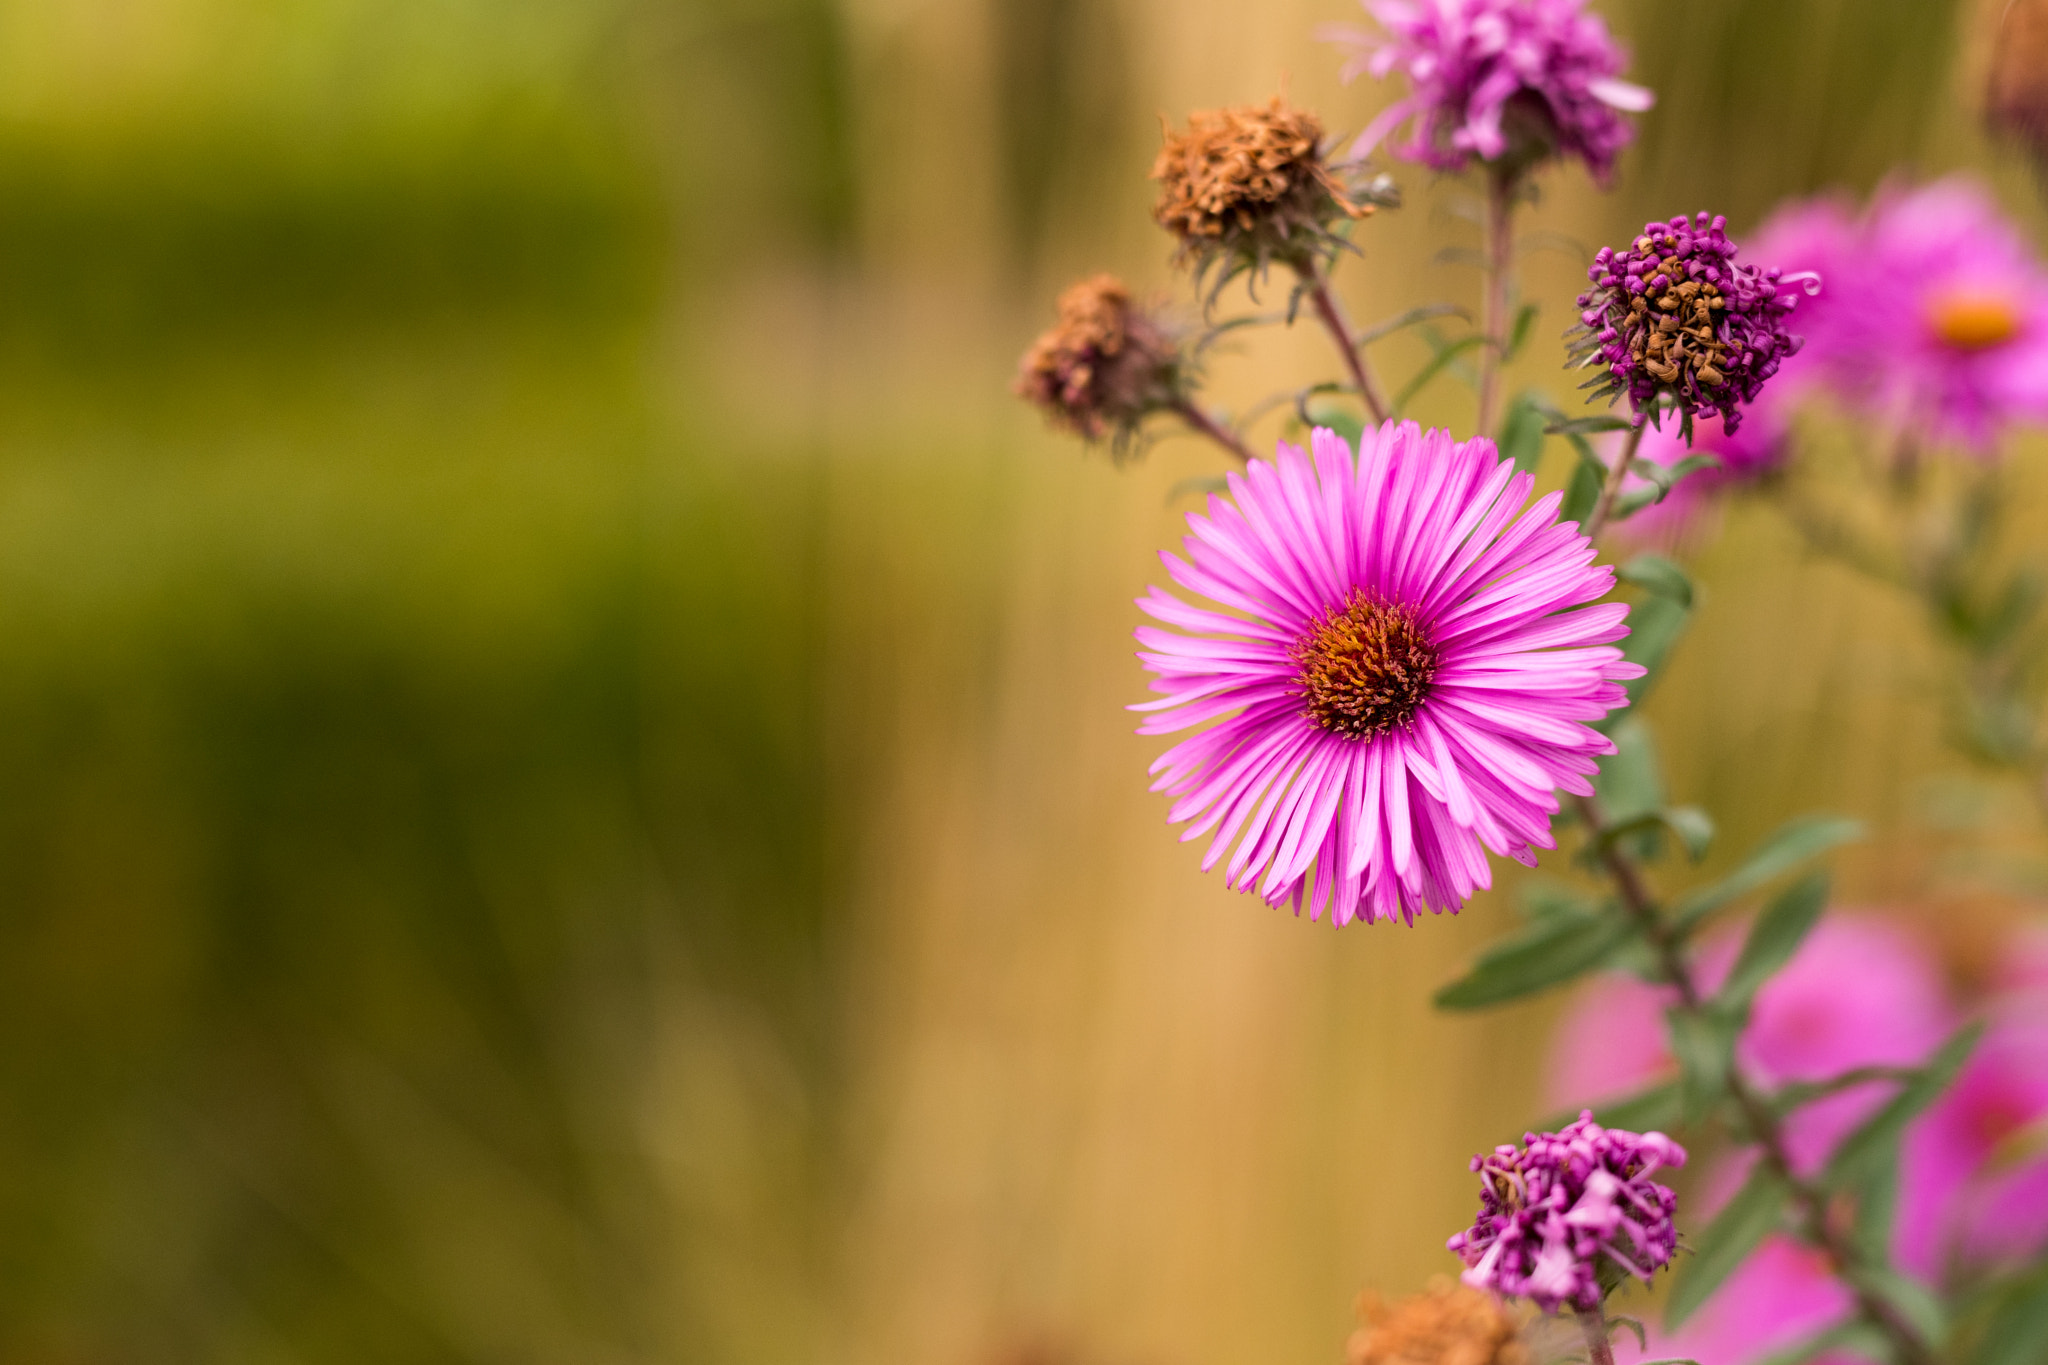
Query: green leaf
x=1436 y=365
x=1915 y=1301
x=1521 y=434
x=1774 y=938
x=1583 y=426
x=1735 y=1232
x=1653 y=628
x=1425 y=313
x=1202 y=484
x=1693 y=826
x=1791 y=845
x=1787 y=1098
x=1518 y=335
x=1854 y=1338
x=2017 y=1332
x=1656 y=574
x=1581 y=494
x=1630 y=783
x=1703 y=1041
x=1542 y=898
x=1647 y=1111
x=1871 y=1143
x=1343 y=421
x=1550 y=954
x=1662 y=479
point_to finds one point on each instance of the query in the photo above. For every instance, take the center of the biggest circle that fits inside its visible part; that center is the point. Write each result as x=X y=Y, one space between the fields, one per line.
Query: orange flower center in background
x=1974 y=319
x=1365 y=668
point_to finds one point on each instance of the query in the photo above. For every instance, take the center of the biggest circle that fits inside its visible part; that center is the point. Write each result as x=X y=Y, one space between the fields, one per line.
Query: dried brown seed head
x=1447 y=1324
x=1105 y=366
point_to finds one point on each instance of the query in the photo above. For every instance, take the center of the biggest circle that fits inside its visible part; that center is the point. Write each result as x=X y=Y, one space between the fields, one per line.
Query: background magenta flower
x=1781 y=1295
x=1861 y=991
x=1395 y=682
x=1933 y=311
x=1557 y=1211
x=1483 y=73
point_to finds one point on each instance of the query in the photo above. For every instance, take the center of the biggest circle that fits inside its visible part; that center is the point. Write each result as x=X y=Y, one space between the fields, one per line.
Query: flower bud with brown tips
x=1251 y=185
x=1105 y=366
x=1447 y=1324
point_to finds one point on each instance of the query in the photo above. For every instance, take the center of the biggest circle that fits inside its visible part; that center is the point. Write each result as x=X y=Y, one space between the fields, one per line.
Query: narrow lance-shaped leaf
x=1790 y=846
x=1521 y=434
x=2017 y=1330
x=1703 y=1041
x=1550 y=954
x=1774 y=938
x=1870 y=1142
x=1735 y=1232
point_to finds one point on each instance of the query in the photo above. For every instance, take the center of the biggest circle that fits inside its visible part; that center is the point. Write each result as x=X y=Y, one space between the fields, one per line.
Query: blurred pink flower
x=1860 y=992
x=1932 y=315
x=1490 y=77
x=1781 y=1295
x=1399 y=677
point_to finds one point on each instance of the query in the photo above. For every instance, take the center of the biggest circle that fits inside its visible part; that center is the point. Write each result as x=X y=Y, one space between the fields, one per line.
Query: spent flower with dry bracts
x=1672 y=320
x=1105 y=366
x=1253 y=185
x=1567 y=1215
x=1446 y=1324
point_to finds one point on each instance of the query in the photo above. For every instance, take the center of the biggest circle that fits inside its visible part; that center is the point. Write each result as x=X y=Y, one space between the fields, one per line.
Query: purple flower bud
x=1556 y=1210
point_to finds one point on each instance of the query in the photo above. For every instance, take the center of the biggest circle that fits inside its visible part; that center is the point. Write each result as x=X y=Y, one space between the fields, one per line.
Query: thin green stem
x=1611 y=489
x=1593 y=1322
x=1501 y=191
x=1332 y=314
x=1763 y=1122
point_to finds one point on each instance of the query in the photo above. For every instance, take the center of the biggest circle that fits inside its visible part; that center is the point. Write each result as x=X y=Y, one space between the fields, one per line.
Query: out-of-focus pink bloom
x=1486 y=75
x=1754 y=453
x=1933 y=311
x=1557 y=1211
x=1781 y=1295
x=1399 y=677
x=1975 y=1180
x=1860 y=992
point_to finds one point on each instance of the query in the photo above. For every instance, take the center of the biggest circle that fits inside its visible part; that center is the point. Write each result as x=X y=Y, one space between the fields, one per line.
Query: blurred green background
x=562 y=788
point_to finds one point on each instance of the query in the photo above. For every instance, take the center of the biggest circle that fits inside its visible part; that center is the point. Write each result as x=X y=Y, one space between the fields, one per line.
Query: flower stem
x=1205 y=425
x=1810 y=1203
x=1501 y=191
x=1332 y=314
x=1593 y=1322
x=1611 y=489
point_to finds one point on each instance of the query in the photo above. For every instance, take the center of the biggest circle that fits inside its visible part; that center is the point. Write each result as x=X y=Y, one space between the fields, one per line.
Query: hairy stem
x=1332 y=313
x=1205 y=425
x=1501 y=190
x=1611 y=489
x=1765 y=1127
x=1593 y=1322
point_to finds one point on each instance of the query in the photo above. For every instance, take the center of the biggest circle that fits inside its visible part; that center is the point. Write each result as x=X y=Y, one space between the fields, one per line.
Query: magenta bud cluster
x=1672 y=320
x=1556 y=1210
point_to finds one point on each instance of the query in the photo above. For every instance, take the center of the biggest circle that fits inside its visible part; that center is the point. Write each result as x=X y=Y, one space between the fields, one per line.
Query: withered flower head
x=2016 y=92
x=1447 y=1324
x=1105 y=366
x=1251 y=185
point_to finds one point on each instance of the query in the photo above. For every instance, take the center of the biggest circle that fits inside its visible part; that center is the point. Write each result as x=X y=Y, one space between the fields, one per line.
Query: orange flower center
x=1974 y=319
x=1365 y=667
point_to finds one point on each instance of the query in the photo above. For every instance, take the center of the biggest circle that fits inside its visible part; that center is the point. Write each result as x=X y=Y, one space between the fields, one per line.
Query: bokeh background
x=563 y=794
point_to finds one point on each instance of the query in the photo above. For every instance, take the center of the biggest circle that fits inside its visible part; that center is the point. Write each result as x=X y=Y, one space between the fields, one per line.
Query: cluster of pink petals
x=1381 y=827
x=1556 y=1210
x=1861 y=992
x=1933 y=313
x=1467 y=60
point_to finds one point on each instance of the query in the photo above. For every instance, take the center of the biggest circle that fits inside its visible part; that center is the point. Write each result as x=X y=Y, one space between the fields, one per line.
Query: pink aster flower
x=1396 y=679
x=1490 y=77
x=1933 y=311
x=1558 y=1209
